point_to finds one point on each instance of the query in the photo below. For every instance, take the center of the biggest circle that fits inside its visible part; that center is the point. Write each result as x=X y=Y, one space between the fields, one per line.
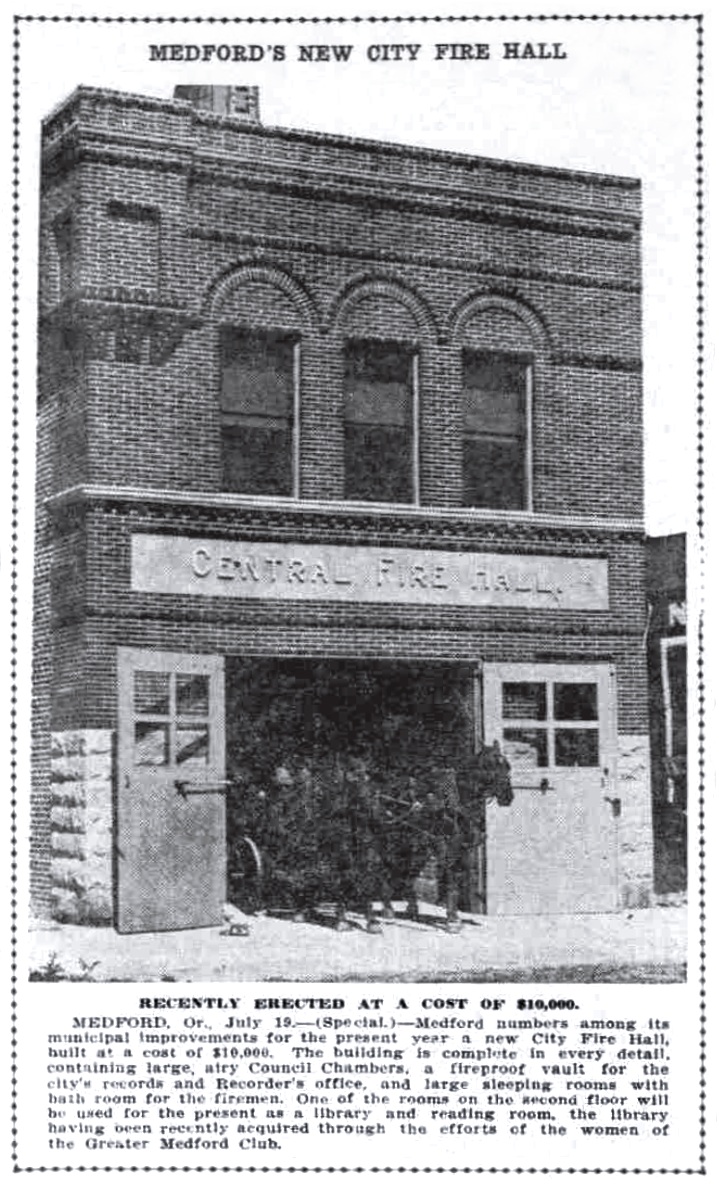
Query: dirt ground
x=646 y=945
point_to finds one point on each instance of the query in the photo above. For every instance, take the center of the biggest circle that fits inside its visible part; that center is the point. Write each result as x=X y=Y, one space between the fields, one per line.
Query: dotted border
x=18 y=20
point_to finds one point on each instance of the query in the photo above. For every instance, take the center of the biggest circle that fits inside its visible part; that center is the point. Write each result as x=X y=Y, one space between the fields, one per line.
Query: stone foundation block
x=67 y=820
x=636 y=847
x=81 y=813
x=70 y=845
x=71 y=792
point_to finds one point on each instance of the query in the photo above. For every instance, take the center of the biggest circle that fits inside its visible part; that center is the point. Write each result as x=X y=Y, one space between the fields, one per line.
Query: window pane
x=378 y=404
x=495 y=397
x=525 y=748
x=378 y=422
x=493 y=473
x=494 y=373
x=151 y=744
x=192 y=693
x=377 y=363
x=257 y=460
x=524 y=699
x=575 y=702
x=378 y=464
x=193 y=745
x=257 y=374
x=257 y=405
x=498 y=414
x=576 y=748
x=152 y=693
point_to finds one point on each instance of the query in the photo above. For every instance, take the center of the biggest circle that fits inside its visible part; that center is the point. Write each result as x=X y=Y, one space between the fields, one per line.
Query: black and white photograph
x=360 y=572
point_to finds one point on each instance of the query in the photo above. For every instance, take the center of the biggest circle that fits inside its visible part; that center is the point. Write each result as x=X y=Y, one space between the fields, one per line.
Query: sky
x=616 y=97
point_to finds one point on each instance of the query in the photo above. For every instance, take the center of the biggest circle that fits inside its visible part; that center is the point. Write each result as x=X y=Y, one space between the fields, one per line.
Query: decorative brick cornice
x=65 y=115
x=158 y=155
x=446 y=203
x=474 y=265
x=288 y=519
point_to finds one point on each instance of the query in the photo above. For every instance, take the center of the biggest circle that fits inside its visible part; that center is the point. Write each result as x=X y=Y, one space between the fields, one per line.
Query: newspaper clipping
x=358 y=802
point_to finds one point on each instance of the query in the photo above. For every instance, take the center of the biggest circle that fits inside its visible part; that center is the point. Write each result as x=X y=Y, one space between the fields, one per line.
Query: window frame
x=530 y=363
x=412 y=350
x=267 y=332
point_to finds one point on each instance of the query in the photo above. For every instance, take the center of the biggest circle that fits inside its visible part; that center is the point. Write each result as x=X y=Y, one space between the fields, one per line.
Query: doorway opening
x=323 y=757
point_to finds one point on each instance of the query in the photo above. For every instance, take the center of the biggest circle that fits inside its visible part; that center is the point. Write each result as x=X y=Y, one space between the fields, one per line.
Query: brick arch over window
x=496 y=322
x=260 y=295
x=381 y=307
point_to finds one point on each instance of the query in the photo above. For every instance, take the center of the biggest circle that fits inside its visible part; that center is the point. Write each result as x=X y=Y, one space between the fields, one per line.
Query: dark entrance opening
x=300 y=733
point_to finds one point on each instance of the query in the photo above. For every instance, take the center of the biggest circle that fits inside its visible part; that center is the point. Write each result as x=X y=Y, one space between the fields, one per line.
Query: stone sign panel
x=415 y=577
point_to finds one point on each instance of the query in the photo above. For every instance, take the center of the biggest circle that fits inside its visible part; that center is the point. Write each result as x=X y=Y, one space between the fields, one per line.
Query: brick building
x=341 y=438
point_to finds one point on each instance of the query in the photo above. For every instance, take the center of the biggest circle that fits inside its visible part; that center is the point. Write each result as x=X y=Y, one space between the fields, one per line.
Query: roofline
x=393 y=148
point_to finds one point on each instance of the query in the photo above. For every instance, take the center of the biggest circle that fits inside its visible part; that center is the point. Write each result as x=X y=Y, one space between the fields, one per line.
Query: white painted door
x=170 y=812
x=554 y=849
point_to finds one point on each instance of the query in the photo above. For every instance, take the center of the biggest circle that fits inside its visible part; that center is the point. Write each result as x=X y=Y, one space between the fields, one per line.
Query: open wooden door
x=170 y=808
x=554 y=849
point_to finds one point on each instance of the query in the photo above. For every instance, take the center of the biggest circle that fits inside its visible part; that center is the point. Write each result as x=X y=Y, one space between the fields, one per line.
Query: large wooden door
x=170 y=816
x=555 y=848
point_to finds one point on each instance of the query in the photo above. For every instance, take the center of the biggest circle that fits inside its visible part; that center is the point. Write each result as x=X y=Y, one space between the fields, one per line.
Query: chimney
x=243 y=103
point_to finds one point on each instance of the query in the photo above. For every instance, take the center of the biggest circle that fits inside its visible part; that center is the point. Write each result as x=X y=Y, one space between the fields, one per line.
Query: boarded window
x=495 y=451
x=379 y=422
x=257 y=404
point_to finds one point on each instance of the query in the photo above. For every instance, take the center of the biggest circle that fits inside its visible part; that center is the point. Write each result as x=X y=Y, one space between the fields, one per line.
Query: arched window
x=496 y=394
x=501 y=346
x=259 y=411
x=380 y=422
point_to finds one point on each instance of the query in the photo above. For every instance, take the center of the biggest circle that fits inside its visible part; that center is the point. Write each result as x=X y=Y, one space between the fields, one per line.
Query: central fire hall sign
x=264 y=569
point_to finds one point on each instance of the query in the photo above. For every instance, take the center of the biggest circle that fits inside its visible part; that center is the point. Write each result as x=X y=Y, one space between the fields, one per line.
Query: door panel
x=554 y=849
x=170 y=819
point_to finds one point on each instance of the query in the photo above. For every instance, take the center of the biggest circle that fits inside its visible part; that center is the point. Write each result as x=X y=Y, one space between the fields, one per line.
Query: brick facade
x=163 y=222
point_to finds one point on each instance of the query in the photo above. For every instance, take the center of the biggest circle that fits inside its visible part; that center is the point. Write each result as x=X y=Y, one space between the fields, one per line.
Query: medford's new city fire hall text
x=339 y=463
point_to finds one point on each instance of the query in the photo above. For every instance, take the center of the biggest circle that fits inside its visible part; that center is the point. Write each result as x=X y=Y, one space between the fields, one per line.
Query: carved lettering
x=296 y=570
x=319 y=574
x=273 y=564
x=363 y=573
x=247 y=568
x=438 y=582
x=226 y=567
x=201 y=562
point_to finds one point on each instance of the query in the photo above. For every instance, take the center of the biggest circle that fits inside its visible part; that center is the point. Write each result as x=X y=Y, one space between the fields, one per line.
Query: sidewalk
x=645 y=946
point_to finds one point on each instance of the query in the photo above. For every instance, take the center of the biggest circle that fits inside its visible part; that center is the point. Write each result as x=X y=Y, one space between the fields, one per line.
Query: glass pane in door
x=524 y=699
x=576 y=748
x=525 y=747
x=575 y=701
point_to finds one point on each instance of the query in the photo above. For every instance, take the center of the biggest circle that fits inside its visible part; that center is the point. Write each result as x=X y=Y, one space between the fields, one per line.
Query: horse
x=336 y=833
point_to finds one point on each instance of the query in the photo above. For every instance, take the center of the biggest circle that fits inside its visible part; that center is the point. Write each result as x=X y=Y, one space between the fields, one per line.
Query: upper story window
x=496 y=443
x=380 y=422
x=259 y=412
